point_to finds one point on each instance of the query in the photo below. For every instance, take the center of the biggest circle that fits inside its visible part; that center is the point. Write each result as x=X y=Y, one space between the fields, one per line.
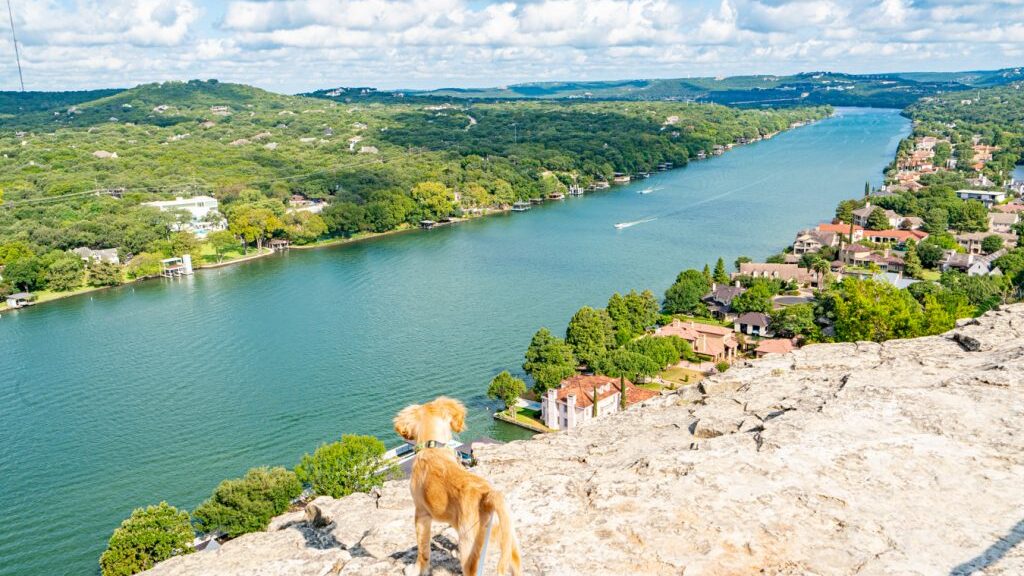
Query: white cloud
x=305 y=44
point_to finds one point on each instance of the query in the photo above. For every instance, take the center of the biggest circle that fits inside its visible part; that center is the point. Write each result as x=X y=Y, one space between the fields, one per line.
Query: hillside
x=810 y=88
x=898 y=458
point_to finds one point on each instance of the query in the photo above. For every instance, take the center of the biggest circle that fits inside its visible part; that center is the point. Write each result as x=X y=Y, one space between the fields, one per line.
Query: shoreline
x=335 y=242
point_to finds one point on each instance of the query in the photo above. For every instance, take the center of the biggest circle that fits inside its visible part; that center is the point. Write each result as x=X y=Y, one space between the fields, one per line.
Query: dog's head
x=413 y=420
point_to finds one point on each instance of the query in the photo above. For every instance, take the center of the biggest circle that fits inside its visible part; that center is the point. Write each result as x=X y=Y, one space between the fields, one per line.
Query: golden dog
x=445 y=491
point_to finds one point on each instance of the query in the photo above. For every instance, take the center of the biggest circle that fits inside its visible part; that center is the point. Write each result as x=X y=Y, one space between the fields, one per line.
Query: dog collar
x=429 y=444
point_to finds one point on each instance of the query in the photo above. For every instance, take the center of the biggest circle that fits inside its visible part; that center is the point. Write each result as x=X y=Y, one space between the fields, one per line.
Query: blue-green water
x=158 y=391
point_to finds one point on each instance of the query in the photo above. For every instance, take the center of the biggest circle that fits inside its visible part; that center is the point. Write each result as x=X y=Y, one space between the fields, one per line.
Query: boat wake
x=622 y=225
x=648 y=190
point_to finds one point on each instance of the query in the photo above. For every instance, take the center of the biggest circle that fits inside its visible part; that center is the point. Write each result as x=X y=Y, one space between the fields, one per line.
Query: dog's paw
x=412 y=570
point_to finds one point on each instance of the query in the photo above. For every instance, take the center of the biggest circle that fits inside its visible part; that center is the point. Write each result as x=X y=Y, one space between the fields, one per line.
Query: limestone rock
x=899 y=458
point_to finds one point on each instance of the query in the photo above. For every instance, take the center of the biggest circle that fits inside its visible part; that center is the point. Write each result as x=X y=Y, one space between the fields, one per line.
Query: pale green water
x=158 y=391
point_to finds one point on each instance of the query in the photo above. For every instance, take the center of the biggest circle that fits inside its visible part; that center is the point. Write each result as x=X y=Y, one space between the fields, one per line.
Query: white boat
x=622 y=225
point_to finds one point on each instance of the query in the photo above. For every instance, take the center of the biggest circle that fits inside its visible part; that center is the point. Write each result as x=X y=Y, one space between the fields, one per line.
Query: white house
x=572 y=403
x=986 y=197
x=90 y=255
x=199 y=207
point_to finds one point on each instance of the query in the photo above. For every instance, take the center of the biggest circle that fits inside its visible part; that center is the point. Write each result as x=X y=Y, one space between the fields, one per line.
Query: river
x=157 y=391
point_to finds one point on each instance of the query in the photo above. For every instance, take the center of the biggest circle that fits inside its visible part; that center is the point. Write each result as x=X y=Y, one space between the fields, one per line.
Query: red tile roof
x=774 y=346
x=897 y=235
x=841 y=228
x=582 y=386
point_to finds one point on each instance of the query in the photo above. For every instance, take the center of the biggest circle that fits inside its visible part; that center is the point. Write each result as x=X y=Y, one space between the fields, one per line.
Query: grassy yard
x=712 y=321
x=681 y=376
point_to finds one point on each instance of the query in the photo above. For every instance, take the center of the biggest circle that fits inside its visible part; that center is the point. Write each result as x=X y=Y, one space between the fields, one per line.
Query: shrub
x=247 y=504
x=148 y=536
x=722 y=366
x=356 y=464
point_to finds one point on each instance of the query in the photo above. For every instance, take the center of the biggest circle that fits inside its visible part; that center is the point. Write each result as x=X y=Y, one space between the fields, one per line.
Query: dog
x=443 y=490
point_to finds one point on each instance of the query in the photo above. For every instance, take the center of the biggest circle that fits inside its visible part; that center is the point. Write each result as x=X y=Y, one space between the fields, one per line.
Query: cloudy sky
x=298 y=45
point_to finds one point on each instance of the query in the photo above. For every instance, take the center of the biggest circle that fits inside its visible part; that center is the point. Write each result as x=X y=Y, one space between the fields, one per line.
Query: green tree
x=242 y=505
x=304 y=227
x=877 y=220
x=844 y=212
x=622 y=362
x=706 y=272
x=253 y=224
x=26 y=273
x=877 y=311
x=720 y=275
x=632 y=314
x=549 y=360
x=684 y=296
x=105 y=274
x=796 y=320
x=183 y=243
x=143 y=265
x=65 y=273
x=150 y=535
x=508 y=389
x=223 y=242
x=590 y=333
x=740 y=261
x=660 y=349
x=355 y=464
x=911 y=261
x=436 y=199
x=757 y=298
x=14 y=251
x=929 y=253
x=991 y=243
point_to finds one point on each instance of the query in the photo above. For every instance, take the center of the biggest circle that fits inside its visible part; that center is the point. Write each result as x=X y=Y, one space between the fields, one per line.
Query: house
x=894 y=236
x=972 y=264
x=785 y=272
x=861 y=216
x=201 y=209
x=971 y=241
x=843 y=229
x=753 y=324
x=719 y=300
x=1015 y=207
x=773 y=346
x=897 y=279
x=715 y=342
x=809 y=241
x=912 y=223
x=89 y=255
x=1002 y=222
x=986 y=197
x=572 y=403
x=21 y=299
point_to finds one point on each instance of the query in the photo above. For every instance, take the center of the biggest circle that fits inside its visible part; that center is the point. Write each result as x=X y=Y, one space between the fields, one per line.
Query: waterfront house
x=572 y=403
x=861 y=215
x=986 y=197
x=785 y=272
x=810 y=241
x=894 y=236
x=844 y=229
x=89 y=255
x=202 y=212
x=773 y=346
x=620 y=178
x=714 y=342
x=719 y=299
x=971 y=241
x=854 y=254
x=1002 y=222
x=1014 y=207
x=753 y=324
x=21 y=299
x=972 y=264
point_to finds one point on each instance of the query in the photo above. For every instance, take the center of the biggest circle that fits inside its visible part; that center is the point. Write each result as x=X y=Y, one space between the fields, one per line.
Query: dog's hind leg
x=422 y=545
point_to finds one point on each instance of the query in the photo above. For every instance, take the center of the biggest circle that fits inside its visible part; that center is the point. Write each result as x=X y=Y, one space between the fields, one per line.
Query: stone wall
x=874 y=459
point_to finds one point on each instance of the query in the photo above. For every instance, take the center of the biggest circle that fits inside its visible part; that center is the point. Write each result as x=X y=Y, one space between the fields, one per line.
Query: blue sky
x=298 y=45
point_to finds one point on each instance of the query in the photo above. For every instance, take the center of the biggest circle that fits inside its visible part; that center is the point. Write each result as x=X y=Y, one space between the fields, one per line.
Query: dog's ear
x=455 y=410
x=407 y=421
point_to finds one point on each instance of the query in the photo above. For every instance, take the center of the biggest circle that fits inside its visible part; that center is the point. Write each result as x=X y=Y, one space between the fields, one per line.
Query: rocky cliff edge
x=873 y=459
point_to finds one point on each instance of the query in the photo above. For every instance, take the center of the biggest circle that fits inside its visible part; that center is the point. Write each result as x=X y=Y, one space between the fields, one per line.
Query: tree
x=183 y=243
x=878 y=220
x=549 y=360
x=844 y=211
x=435 y=198
x=355 y=464
x=877 y=311
x=150 y=535
x=706 y=272
x=929 y=253
x=508 y=389
x=242 y=505
x=757 y=298
x=590 y=333
x=792 y=321
x=14 y=251
x=253 y=224
x=720 y=275
x=684 y=296
x=65 y=273
x=223 y=242
x=143 y=265
x=26 y=274
x=304 y=227
x=991 y=243
x=660 y=349
x=105 y=274
x=622 y=362
x=632 y=314
x=911 y=261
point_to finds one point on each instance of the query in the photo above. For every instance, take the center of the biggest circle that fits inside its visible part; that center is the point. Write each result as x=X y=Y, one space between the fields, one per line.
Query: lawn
x=681 y=376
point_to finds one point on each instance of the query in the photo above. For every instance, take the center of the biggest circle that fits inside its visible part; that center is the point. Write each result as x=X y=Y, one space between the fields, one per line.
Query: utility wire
x=17 y=55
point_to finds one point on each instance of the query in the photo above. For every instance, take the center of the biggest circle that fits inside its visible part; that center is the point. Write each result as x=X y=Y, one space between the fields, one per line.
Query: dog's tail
x=504 y=533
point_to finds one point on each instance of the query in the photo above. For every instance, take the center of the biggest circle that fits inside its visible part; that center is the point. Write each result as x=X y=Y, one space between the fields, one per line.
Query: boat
x=536 y=200
x=520 y=206
x=556 y=196
x=621 y=225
